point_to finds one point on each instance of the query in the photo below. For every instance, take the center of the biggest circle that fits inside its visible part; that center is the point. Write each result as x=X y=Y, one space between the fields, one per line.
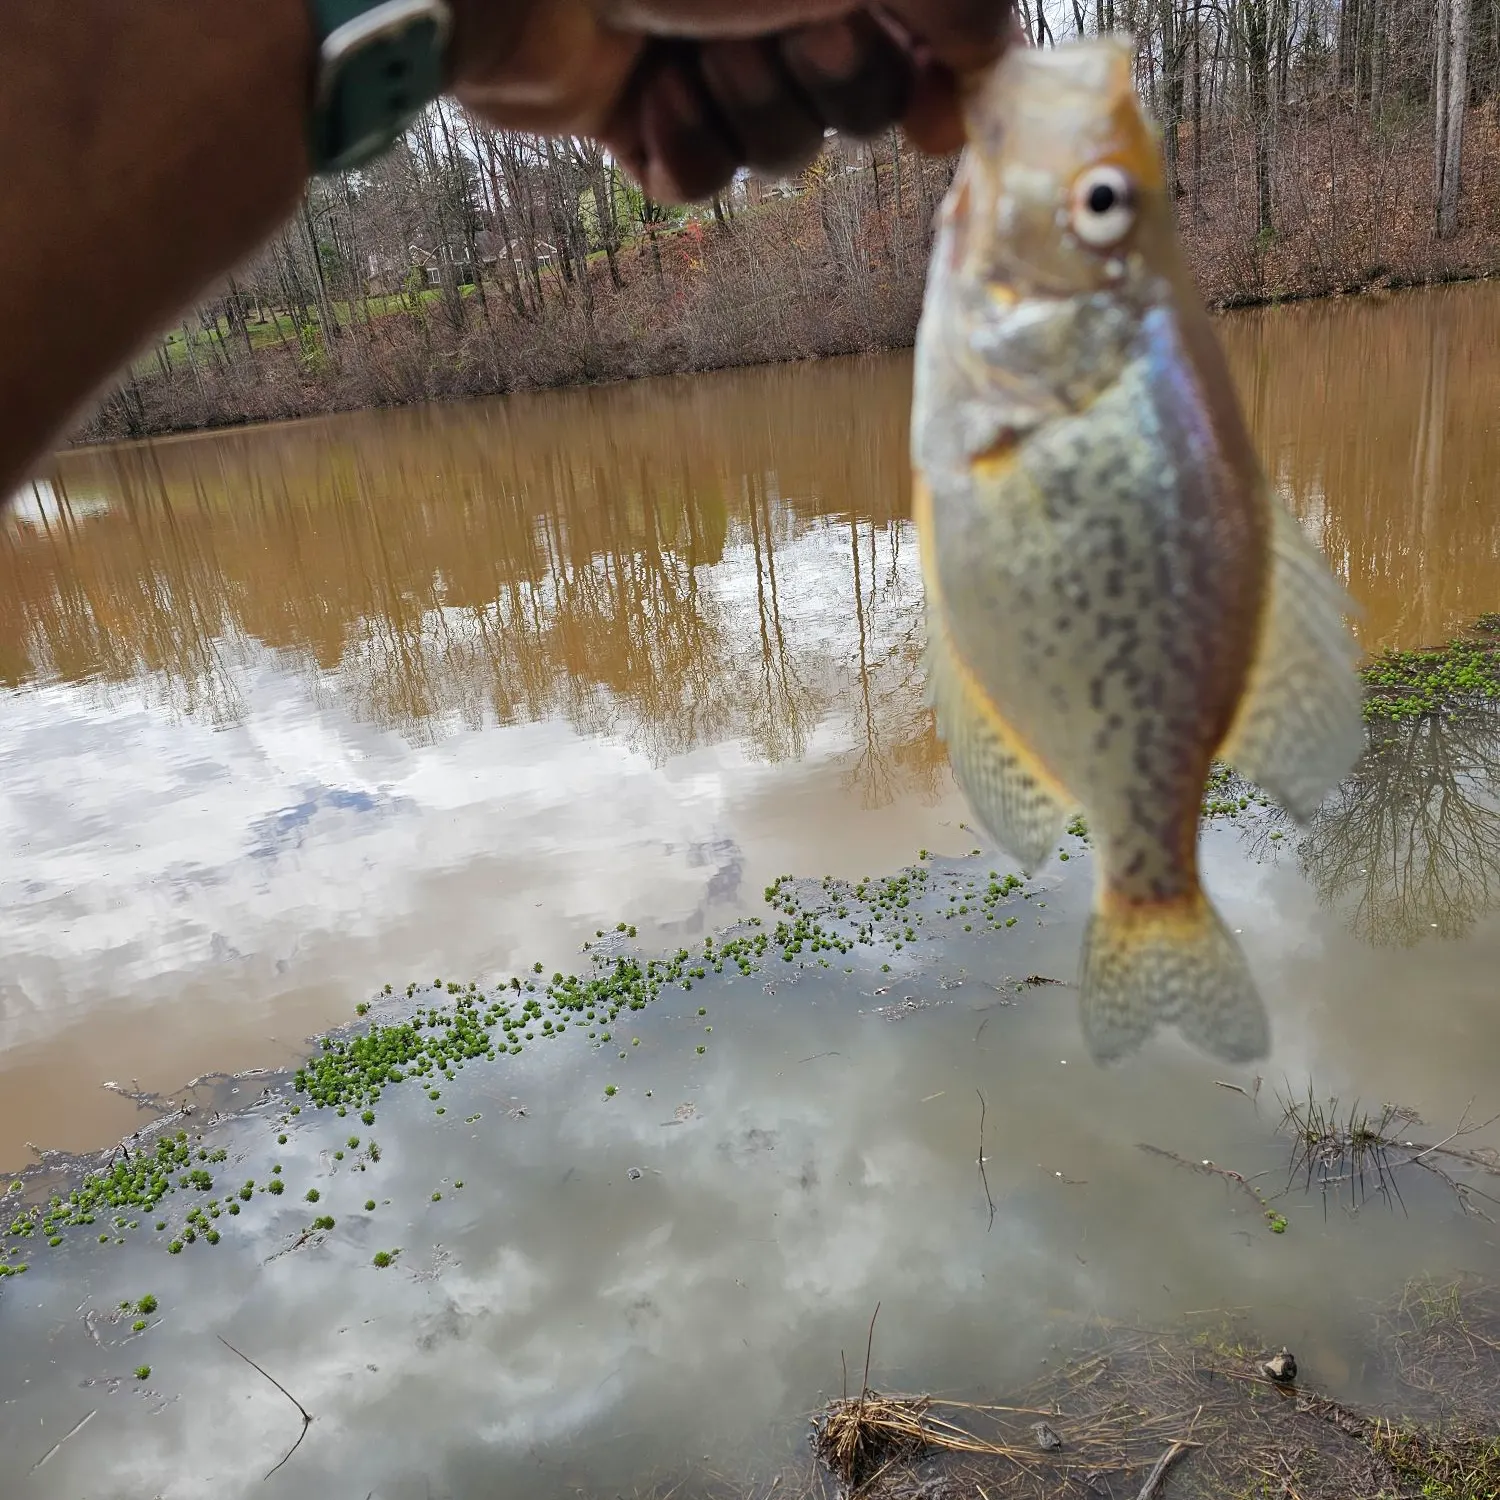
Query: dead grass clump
x=1184 y=1414
x=1351 y=1154
x=858 y=1436
x=1198 y=1395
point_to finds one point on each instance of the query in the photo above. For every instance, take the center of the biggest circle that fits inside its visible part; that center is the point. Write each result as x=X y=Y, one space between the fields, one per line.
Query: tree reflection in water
x=725 y=563
x=1409 y=846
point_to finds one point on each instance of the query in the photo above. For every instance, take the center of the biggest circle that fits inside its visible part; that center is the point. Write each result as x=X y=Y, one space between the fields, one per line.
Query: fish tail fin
x=1168 y=963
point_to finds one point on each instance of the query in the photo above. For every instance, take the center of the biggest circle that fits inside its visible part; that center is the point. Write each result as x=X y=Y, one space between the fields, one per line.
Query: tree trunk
x=1458 y=98
x=1440 y=108
x=1171 y=93
x=1197 y=109
x=237 y=324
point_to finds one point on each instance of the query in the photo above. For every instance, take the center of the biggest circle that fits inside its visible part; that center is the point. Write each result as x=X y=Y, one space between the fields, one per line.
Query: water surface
x=293 y=712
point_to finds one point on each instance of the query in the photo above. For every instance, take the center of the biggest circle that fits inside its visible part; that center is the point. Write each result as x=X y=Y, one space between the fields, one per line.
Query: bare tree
x=1451 y=97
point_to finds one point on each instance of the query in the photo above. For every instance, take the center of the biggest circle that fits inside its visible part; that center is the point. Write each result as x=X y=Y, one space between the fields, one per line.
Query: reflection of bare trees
x=781 y=707
x=727 y=562
x=896 y=748
x=1411 y=843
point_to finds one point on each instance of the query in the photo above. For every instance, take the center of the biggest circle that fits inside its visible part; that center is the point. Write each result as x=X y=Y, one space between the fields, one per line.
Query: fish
x=1115 y=595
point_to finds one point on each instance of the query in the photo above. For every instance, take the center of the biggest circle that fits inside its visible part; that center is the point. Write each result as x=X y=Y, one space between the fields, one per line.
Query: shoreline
x=1378 y=286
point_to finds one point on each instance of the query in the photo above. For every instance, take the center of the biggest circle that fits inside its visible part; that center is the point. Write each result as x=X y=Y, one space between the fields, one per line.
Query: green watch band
x=379 y=62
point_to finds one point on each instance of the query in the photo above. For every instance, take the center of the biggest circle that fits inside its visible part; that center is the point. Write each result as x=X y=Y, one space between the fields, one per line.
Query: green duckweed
x=453 y=1026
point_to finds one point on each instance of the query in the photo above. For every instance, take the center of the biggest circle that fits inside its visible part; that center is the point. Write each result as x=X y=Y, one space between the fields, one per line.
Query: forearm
x=145 y=146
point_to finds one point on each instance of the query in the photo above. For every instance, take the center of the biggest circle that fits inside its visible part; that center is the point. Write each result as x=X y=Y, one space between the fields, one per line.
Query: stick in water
x=1154 y=1479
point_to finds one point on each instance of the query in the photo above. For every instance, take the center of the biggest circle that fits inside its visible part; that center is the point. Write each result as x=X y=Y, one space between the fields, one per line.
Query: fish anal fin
x=1300 y=726
x=1021 y=807
x=1168 y=963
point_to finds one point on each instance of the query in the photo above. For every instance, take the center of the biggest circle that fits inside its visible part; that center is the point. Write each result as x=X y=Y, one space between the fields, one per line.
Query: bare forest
x=1314 y=147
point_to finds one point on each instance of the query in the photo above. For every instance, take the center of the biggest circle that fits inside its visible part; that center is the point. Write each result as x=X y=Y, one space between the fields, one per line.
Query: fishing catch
x=1115 y=596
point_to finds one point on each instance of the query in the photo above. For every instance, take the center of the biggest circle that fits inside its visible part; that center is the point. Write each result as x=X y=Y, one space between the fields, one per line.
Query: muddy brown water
x=290 y=713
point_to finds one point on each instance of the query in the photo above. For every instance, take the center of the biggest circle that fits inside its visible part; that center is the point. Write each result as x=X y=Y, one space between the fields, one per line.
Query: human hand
x=687 y=91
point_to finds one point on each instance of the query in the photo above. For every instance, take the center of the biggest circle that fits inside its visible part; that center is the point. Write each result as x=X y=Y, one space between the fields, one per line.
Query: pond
x=291 y=714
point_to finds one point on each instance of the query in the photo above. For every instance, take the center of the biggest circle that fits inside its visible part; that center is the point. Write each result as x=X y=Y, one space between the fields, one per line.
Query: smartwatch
x=379 y=63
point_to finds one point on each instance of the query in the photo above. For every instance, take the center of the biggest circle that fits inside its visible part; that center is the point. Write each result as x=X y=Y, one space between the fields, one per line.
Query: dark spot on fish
x=1114 y=584
x=1137 y=863
x=1096 y=694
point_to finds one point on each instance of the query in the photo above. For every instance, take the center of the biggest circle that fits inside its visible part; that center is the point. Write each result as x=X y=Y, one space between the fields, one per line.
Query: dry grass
x=1135 y=1397
x=1352 y=1154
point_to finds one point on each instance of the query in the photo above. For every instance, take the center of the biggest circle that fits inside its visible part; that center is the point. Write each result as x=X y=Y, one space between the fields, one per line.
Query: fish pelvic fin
x=1021 y=808
x=1168 y=963
x=1300 y=724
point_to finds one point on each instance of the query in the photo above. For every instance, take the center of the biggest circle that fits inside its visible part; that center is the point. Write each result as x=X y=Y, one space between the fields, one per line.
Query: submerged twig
x=1229 y=1175
x=73 y=1431
x=983 y=1175
x=306 y=1415
x=1157 y=1476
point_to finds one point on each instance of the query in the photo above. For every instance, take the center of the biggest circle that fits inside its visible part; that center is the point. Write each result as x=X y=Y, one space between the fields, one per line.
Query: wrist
x=147 y=147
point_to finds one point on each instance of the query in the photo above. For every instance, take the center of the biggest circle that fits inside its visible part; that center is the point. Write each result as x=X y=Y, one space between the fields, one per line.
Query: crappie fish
x=1115 y=597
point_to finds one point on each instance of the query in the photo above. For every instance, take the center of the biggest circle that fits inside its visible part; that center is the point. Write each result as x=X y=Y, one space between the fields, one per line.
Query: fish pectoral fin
x=1300 y=725
x=1019 y=805
x=1170 y=963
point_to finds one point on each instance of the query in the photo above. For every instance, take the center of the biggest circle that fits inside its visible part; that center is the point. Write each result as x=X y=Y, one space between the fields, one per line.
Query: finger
x=552 y=70
x=934 y=119
x=967 y=35
x=713 y=18
x=773 y=124
x=687 y=150
x=854 y=72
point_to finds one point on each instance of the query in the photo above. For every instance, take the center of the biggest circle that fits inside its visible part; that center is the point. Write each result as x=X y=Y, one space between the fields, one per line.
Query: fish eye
x=1103 y=209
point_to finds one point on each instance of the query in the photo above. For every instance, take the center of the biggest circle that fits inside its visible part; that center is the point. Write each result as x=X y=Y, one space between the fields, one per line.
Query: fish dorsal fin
x=1019 y=805
x=1300 y=726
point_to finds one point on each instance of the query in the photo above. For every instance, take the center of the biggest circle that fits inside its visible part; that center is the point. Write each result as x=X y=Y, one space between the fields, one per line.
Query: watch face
x=375 y=72
x=356 y=153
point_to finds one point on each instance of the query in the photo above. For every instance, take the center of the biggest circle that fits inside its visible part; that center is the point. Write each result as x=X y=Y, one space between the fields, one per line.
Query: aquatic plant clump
x=1416 y=684
x=136 y=1183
